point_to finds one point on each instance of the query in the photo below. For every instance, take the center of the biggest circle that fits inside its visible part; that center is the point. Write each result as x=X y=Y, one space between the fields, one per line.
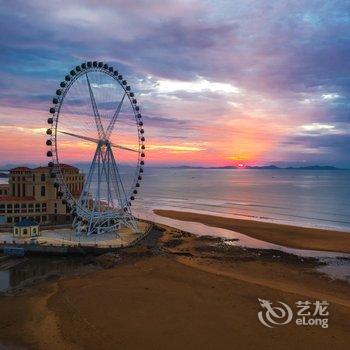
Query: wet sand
x=285 y=235
x=184 y=292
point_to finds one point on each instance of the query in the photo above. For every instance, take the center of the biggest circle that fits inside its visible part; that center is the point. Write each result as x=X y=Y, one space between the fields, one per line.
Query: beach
x=181 y=291
x=285 y=235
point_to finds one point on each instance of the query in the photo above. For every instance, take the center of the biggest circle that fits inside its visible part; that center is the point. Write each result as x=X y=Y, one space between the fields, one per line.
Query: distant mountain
x=3 y=175
x=270 y=167
x=264 y=167
x=311 y=167
x=316 y=167
x=201 y=167
x=223 y=167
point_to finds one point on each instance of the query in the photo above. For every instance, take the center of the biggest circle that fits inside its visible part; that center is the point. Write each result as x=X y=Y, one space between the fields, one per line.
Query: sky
x=218 y=82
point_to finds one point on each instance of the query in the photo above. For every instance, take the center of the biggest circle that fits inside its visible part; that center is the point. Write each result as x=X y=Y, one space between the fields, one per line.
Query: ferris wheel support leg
x=108 y=175
x=104 y=164
x=83 y=202
x=106 y=168
x=127 y=218
x=129 y=221
x=118 y=179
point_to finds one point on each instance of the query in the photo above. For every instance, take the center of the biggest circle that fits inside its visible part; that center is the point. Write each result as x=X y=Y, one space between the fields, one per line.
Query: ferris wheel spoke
x=91 y=139
x=124 y=148
x=99 y=126
x=114 y=118
x=86 y=138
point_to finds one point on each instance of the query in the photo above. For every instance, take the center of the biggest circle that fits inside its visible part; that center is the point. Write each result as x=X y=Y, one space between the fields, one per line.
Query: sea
x=316 y=198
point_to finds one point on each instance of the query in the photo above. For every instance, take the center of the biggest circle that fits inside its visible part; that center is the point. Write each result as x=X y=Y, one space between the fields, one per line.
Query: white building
x=26 y=228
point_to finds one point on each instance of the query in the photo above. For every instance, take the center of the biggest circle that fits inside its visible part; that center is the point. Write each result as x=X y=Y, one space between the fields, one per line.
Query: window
x=33 y=191
x=25 y=232
x=13 y=189
x=2 y=208
x=31 y=206
x=9 y=208
x=33 y=177
x=43 y=177
x=18 y=189
x=9 y=219
x=23 y=190
x=16 y=219
x=23 y=207
x=37 y=207
x=16 y=208
x=43 y=218
x=42 y=191
x=23 y=178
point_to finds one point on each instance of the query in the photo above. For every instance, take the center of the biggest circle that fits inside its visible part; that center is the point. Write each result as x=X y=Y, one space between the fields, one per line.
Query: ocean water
x=316 y=198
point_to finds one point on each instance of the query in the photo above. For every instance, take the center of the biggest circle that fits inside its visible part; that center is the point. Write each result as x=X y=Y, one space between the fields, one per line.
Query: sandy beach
x=183 y=292
x=286 y=235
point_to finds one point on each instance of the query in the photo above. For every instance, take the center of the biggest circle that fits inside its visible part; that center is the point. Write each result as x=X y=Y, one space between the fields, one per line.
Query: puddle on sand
x=35 y=268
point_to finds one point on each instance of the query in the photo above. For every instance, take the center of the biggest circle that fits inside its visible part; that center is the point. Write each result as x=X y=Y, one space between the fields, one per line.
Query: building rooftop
x=20 y=168
x=44 y=168
x=26 y=223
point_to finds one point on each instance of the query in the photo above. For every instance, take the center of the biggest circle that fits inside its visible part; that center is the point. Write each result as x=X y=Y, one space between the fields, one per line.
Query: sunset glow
x=233 y=95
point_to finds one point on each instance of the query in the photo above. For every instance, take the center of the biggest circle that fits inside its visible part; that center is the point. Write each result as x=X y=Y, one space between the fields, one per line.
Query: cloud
x=244 y=76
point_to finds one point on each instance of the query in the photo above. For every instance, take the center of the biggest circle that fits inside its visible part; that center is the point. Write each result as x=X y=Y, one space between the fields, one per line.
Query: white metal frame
x=88 y=214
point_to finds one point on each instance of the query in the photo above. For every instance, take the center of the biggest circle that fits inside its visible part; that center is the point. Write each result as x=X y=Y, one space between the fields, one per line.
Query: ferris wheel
x=95 y=122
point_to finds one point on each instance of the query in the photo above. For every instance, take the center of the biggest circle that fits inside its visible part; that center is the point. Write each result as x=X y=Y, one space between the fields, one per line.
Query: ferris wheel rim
x=53 y=121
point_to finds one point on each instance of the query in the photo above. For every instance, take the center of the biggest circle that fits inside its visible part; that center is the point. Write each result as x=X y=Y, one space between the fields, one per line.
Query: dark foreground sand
x=185 y=293
x=286 y=235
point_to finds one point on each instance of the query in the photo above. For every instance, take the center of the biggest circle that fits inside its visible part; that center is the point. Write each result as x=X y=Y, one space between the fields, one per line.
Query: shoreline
x=296 y=237
x=173 y=286
x=256 y=218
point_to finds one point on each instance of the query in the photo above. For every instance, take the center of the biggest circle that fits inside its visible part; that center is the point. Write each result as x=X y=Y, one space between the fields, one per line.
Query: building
x=26 y=228
x=30 y=194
